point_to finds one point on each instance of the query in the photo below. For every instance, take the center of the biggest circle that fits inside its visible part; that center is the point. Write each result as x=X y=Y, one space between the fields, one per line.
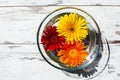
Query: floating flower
x=73 y=55
x=73 y=27
x=50 y=39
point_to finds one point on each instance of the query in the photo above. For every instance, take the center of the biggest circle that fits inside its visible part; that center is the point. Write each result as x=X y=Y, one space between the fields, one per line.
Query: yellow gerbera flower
x=73 y=55
x=73 y=27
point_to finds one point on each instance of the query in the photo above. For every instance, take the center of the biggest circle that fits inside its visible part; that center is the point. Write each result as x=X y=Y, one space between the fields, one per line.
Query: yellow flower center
x=73 y=53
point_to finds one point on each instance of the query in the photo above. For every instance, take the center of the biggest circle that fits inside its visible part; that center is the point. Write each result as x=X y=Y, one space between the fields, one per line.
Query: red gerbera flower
x=50 y=39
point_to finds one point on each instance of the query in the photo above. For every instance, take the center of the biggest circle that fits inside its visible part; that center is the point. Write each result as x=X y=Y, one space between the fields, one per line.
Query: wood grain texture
x=19 y=21
x=19 y=24
x=24 y=62
x=59 y=2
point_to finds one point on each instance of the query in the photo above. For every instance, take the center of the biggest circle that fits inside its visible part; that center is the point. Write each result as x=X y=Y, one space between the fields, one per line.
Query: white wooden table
x=19 y=21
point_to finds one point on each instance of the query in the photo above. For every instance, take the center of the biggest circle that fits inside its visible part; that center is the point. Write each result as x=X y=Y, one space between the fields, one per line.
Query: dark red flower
x=50 y=39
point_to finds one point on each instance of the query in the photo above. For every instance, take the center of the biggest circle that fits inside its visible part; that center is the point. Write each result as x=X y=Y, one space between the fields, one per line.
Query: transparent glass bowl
x=98 y=47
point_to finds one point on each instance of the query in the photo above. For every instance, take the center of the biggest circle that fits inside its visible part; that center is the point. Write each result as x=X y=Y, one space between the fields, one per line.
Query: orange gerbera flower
x=73 y=55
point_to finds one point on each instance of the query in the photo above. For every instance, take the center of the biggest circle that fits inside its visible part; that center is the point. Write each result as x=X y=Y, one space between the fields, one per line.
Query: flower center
x=72 y=29
x=53 y=39
x=73 y=53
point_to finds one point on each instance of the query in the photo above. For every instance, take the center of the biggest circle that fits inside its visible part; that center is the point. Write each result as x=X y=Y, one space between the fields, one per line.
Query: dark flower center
x=72 y=29
x=53 y=39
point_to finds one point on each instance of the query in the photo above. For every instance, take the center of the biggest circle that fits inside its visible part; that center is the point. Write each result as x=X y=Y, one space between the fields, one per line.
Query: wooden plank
x=58 y=2
x=23 y=62
x=19 y=24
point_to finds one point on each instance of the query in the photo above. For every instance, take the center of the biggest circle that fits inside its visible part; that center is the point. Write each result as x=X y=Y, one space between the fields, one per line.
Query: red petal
x=51 y=47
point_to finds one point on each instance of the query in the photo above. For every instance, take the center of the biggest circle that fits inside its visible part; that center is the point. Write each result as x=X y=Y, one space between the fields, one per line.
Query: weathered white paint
x=57 y=2
x=19 y=21
x=20 y=24
x=23 y=62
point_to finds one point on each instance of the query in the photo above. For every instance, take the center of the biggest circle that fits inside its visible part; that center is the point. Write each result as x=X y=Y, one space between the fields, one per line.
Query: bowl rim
x=68 y=70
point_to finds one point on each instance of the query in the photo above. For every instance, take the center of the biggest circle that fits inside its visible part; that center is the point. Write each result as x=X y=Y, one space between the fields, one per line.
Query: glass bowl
x=97 y=46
